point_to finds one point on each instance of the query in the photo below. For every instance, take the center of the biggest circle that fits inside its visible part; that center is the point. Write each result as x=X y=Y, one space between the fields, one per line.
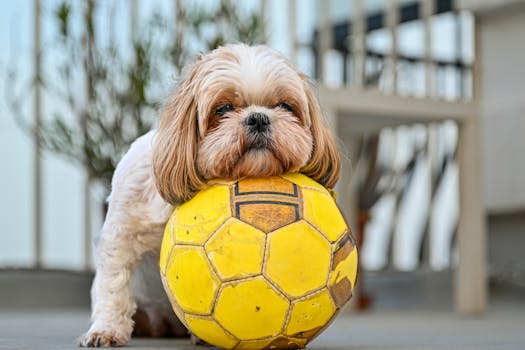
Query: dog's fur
x=238 y=111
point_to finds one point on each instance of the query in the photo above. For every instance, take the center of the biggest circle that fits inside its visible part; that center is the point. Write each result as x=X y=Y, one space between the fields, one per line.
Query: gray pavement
x=44 y=310
x=503 y=327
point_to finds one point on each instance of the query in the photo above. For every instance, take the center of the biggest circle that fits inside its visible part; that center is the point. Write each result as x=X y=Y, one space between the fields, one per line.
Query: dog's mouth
x=258 y=157
x=258 y=142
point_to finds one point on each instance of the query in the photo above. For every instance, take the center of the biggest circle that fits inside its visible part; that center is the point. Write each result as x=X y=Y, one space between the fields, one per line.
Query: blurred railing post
x=392 y=20
x=358 y=43
x=90 y=97
x=37 y=160
x=292 y=27
x=471 y=290
x=263 y=10
x=325 y=37
x=133 y=17
x=427 y=11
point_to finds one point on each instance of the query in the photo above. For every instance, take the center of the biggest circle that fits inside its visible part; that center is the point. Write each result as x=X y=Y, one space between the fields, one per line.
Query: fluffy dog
x=238 y=111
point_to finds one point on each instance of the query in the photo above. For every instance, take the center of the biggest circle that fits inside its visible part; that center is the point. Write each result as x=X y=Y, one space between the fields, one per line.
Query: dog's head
x=241 y=111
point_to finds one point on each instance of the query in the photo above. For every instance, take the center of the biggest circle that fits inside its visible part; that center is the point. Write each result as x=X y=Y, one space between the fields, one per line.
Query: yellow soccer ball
x=258 y=263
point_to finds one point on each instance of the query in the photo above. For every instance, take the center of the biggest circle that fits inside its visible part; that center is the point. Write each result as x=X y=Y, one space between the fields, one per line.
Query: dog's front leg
x=113 y=305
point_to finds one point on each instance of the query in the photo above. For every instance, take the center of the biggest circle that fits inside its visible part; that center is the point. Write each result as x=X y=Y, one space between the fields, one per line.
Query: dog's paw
x=102 y=340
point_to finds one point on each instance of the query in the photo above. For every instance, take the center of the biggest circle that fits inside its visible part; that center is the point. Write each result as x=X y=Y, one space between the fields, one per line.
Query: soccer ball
x=258 y=263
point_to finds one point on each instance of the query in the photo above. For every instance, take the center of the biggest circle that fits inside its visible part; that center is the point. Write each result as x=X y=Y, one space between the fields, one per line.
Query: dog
x=238 y=111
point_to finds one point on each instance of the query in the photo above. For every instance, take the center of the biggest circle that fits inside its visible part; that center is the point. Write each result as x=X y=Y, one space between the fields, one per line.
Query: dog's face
x=252 y=115
x=241 y=111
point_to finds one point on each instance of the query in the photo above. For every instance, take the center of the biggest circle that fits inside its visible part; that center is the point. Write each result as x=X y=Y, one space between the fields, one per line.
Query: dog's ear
x=324 y=164
x=175 y=145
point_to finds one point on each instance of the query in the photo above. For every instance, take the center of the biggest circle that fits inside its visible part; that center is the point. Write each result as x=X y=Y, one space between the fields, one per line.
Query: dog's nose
x=258 y=122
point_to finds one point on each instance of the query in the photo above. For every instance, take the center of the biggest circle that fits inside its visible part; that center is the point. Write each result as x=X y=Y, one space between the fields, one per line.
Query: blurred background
x=427 y=98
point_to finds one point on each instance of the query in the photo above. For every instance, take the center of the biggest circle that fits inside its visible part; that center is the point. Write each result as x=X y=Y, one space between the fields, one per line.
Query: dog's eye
x=285 y=106
x=222 y=109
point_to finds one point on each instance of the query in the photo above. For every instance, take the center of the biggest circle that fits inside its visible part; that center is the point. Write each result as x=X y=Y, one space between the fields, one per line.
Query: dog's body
x=239 y=111
x=134 y=223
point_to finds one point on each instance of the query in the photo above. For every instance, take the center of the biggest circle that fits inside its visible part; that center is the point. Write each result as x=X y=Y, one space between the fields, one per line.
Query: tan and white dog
x=238 y=111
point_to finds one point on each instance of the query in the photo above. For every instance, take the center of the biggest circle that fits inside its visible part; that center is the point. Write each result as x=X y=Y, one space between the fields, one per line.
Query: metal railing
x=349 y=39
x=361 y=102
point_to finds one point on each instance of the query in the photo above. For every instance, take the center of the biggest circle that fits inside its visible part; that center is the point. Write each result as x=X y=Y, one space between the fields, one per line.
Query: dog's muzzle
x=258 y=131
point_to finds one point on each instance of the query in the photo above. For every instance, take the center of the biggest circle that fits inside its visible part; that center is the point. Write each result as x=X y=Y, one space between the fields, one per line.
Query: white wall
x=62 y=195
x=503 y=108
x=16 y=214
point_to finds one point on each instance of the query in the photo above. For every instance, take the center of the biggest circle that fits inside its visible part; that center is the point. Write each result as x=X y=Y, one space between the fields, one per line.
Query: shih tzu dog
x=238 y=111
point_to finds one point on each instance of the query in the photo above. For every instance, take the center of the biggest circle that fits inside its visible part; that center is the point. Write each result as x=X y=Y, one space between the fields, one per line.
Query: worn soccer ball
x=258 y=263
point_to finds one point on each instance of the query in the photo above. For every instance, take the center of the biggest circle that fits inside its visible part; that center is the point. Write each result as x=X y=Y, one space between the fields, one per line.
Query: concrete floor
x=502 y=327
x=44 y=310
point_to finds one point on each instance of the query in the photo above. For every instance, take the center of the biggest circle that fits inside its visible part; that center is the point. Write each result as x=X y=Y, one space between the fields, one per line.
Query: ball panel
x=265 y=186
x=310 y=314
x=344 y=270
x=322 y=212
x=304 y=181
x=251 y=309
x=266 y=203
x=254 y=344
x=236 y=250
x=192 y=280
x=298 y=259
x=167 y=243
x=199 y=217
x=286 y=343
x=279 y=342
x=208 y=330
x=266 y=215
